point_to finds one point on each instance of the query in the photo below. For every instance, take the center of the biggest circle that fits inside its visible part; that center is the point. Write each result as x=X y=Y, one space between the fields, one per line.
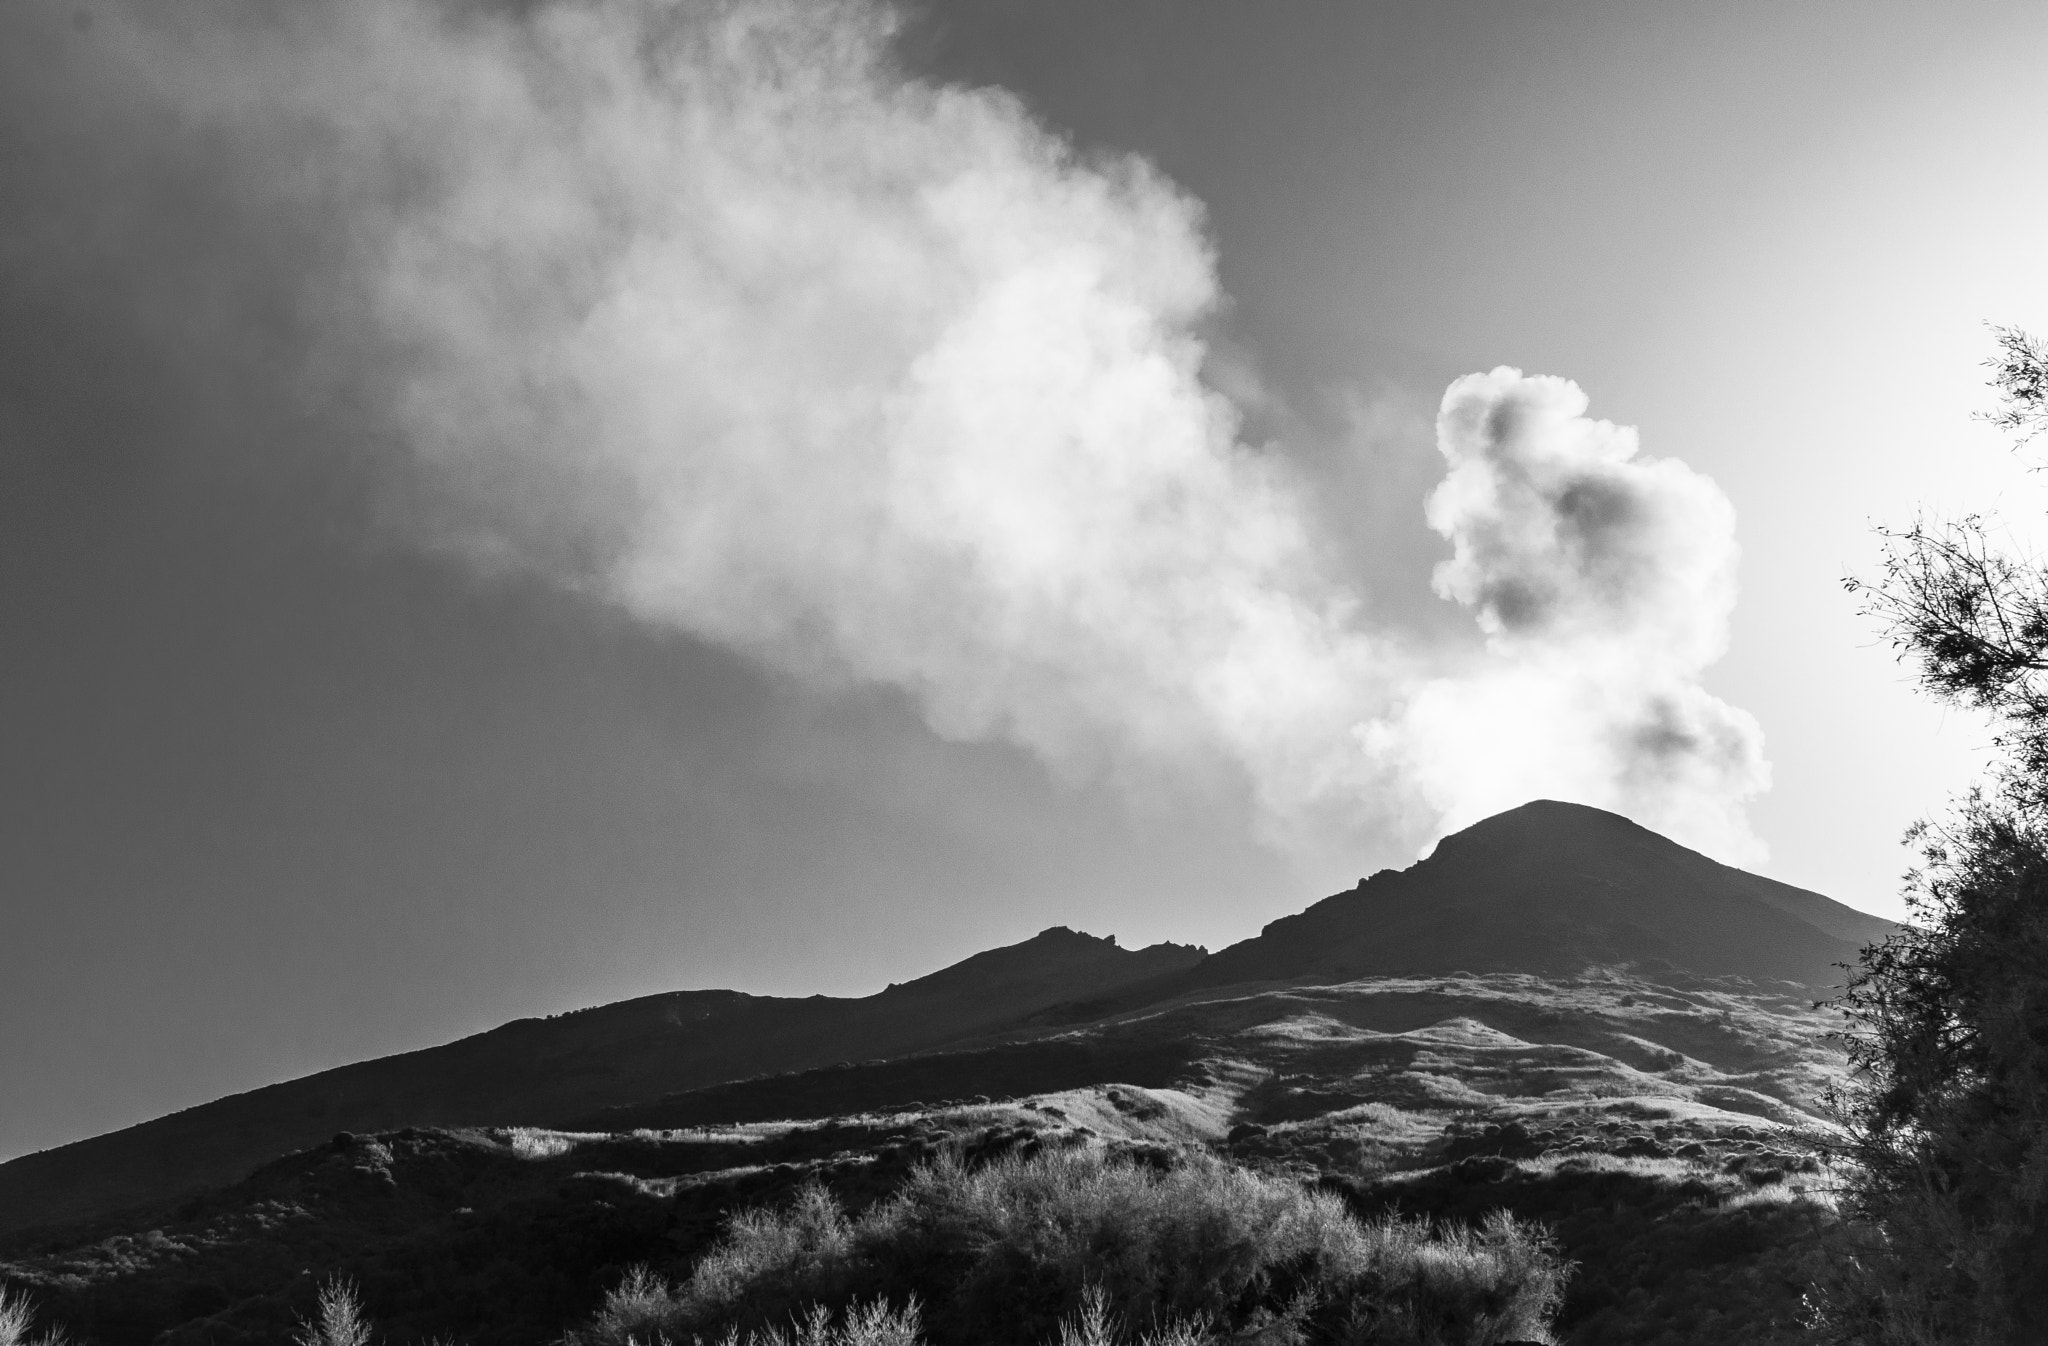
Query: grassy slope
x=553 y=1071
x=1545 y=888
x=1654 y=1125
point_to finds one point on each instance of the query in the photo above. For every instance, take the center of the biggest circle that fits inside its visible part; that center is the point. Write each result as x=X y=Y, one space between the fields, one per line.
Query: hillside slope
x=1547 y=888
x=1552 y=887
x=549 y=1071
x=1656 y=1129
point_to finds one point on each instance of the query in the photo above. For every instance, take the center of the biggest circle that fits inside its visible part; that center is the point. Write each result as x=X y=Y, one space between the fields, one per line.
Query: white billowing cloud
x=708 y=309
x=711 y=311
x=1604 y=582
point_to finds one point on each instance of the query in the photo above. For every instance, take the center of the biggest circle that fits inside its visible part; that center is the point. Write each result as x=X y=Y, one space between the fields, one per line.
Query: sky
x=496 y=520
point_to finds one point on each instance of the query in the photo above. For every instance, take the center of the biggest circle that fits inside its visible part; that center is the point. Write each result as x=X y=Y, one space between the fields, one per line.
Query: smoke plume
x=710 y=311
x=1604 y=583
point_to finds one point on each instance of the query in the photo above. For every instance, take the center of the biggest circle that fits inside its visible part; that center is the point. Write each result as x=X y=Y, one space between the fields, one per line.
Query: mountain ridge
x=1548 y=888
x=543 y=1071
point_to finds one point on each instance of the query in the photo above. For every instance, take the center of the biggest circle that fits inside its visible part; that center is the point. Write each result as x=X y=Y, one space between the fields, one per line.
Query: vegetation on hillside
x=340 y=1320
x=18 y=1321
x=1650 y=1125
x=1697 y=1251
x=1203 y=1250
x=1947 y=1116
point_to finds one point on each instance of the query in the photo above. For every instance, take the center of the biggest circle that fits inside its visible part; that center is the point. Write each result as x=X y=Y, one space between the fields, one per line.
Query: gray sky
x=297 y=773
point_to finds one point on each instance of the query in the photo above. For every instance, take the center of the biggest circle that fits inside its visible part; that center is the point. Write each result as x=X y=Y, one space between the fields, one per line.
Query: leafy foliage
x=2020 y=373
x=1948 y=1115
x=1974 y=618
x=1973 y=615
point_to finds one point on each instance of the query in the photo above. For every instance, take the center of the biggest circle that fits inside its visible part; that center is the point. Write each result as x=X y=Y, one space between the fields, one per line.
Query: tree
x=1947 y=1114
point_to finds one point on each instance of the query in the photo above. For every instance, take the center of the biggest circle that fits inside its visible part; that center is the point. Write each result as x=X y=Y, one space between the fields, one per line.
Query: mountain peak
x=1065 y=934
x=1553 y=887
x=1549 y=887
x=1551 y=823
x=1055 y=952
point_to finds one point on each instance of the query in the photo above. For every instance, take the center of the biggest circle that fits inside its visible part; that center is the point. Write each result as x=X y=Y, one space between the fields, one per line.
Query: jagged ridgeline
x=1558 y=1015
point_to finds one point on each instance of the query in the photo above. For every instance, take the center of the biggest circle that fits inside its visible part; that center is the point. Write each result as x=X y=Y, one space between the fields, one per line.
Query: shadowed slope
x=548 y=1071
x=1546 y=888
x=1552 y=887
x=1639 y=1118
x=1652 y=1115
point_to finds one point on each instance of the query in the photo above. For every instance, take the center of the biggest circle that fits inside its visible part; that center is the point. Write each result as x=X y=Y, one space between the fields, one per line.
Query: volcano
x=1548 y=889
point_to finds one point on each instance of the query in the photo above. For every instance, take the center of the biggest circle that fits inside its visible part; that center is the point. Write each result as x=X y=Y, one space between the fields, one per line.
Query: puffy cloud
x=1604 y=582
x=712 y=312
x=1562 y=534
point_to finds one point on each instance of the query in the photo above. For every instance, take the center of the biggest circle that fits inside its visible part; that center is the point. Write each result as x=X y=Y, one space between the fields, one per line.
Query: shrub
x=17 y=1318
x=865 y=1325
x=1094 y=1325
x=1947 y=1116
x=1073 y=1242
x=341 y=1321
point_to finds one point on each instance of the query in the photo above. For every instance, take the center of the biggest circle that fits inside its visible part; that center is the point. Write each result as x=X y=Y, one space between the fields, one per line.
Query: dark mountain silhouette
x=554 y=1071
x=1552 y=887
x=1546 y=889
x=1442 y=1096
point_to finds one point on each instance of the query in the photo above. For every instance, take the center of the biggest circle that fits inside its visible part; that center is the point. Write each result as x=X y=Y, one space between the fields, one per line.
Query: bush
x=1947 y=1117
x=341 y=1321
x=1079 y=1245
x=17 y=1318
x=865 y=1325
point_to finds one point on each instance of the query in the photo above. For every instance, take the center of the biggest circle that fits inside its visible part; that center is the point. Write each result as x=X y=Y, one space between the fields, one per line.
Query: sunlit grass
x=1012 y=1250
x=18 y=1320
